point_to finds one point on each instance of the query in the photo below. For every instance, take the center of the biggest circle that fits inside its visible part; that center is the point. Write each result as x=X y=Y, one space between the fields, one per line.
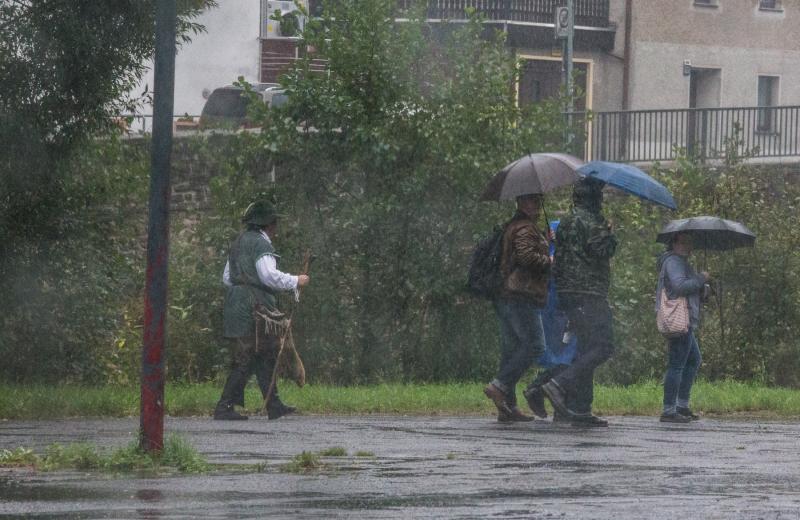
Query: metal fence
x=657 y=135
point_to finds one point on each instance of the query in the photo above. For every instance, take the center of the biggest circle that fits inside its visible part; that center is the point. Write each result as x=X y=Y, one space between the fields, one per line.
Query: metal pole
x=567 y=69
x=155 y=300
x=568 y=56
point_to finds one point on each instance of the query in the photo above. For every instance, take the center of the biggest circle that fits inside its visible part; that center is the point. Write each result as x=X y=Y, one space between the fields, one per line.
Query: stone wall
x=193 y=167
x=196 y=159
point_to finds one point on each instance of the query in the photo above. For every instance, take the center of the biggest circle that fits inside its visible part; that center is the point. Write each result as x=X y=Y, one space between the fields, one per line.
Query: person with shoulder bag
x=678 y=298
x=251 y=318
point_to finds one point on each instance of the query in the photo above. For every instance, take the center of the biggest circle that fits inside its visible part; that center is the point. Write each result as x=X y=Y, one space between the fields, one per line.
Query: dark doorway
x=704 y=88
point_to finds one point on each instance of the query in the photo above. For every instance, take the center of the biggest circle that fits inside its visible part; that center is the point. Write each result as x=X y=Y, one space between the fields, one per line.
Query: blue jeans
x=684 y=360
x=521 y=342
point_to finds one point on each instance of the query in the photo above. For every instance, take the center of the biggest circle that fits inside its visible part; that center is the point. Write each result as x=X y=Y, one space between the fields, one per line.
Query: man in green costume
x=253 y=280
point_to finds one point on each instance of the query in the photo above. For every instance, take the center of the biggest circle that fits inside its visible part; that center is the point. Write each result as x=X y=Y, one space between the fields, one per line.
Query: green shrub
x=303 y=463
x=334 y=451
x=178 y=454
x=384 y=192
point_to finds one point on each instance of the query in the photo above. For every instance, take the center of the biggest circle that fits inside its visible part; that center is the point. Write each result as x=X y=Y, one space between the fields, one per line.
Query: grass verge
x=177 y=455
x=304 y=462
x=47 y=402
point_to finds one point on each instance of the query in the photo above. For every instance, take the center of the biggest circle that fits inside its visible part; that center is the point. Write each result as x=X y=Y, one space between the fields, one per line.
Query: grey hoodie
x=680 y=280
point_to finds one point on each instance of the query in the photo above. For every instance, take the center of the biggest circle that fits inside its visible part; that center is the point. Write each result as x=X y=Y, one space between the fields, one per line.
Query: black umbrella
x=709 y=233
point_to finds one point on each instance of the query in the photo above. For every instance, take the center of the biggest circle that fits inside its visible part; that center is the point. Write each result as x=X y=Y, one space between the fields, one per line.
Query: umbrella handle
x=546 y=221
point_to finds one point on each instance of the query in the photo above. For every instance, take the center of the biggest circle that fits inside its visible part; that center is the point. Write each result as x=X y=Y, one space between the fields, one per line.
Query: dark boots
x=588 y=421
x=232 y=394
x=276 y=409
x=535 y=399
x=225 y=412
x=515 y=415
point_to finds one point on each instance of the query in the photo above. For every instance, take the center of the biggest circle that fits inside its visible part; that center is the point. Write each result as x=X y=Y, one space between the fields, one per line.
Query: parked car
x=227 y=106
x=275 y=96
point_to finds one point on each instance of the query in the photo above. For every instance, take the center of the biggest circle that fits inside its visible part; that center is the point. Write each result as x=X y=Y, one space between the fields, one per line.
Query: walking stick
x=307 y=259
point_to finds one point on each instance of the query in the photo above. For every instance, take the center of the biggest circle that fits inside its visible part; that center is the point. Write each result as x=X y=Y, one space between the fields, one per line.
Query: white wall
x=230 y=48
x=658 y=81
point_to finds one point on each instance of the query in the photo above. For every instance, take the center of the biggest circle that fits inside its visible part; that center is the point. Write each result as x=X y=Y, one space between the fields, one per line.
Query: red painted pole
x=155 y=301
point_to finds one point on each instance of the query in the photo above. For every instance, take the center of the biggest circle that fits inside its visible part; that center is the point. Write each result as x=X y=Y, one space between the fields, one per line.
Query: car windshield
x=278 y=100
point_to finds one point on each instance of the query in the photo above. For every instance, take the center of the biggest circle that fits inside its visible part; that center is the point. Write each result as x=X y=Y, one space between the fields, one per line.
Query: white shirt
x=268 y=273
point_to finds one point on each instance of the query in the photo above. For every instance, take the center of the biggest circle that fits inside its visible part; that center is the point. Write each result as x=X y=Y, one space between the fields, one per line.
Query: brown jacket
x=525 y=262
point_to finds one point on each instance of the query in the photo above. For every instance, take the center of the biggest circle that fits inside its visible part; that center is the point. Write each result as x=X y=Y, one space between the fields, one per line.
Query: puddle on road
x=436 y=500
x=32 y=490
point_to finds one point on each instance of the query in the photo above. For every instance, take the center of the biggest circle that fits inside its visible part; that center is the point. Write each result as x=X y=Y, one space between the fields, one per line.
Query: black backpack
x=484 y=278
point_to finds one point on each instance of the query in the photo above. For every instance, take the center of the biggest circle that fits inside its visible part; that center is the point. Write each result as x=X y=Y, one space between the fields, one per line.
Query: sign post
x=151 y=418
x=565 y=31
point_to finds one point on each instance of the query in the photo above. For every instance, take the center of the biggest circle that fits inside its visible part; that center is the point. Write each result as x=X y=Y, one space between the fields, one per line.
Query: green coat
x=584 y=247
x=247 y=289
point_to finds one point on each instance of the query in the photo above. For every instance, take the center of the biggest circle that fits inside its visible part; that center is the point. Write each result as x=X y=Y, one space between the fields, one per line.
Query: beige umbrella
x=533 y=173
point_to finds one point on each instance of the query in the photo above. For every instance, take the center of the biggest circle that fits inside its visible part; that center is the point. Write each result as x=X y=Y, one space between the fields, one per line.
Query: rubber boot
x=234 y=387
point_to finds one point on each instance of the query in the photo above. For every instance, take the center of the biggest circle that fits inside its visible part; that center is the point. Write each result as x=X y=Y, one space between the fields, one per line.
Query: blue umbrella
x=629 y=179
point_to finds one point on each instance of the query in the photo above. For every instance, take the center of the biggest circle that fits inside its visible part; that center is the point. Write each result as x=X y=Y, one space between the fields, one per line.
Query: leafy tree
x=65 y=69
x=381 y=159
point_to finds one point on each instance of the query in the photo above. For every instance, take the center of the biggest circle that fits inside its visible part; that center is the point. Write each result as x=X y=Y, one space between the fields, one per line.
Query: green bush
x=750 y=326
x=69 y=266
x=405 y=131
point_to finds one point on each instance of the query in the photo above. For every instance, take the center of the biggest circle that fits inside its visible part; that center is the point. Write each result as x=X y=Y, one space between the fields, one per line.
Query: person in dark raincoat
x=585 y=244
x=252 y=279
x=678 y=278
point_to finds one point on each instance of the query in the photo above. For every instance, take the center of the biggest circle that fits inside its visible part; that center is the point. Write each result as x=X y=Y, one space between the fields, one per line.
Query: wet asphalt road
x=429 y=467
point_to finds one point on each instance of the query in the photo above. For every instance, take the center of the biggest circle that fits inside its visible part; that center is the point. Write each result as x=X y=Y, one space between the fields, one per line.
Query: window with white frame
x=769 y=4
x=768 y=96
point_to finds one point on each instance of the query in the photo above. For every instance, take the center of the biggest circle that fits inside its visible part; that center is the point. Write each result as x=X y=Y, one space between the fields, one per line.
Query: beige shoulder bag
x=672 y=318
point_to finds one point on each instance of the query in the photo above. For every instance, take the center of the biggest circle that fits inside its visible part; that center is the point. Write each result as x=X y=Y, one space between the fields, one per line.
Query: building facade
x=714 y=53
x=229 y=47
x=683 y=54
x=678 y=53
x=691 y=69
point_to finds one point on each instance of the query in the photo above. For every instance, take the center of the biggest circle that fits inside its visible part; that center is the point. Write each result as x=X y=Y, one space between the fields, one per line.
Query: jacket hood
x=663 y=258
x=588 y=194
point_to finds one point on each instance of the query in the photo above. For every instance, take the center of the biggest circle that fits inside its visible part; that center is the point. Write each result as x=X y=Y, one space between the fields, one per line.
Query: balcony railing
x=590 y=13
x=656 y=135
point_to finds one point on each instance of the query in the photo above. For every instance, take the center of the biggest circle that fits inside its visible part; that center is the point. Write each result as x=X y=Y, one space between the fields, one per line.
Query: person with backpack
x=523 y=269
